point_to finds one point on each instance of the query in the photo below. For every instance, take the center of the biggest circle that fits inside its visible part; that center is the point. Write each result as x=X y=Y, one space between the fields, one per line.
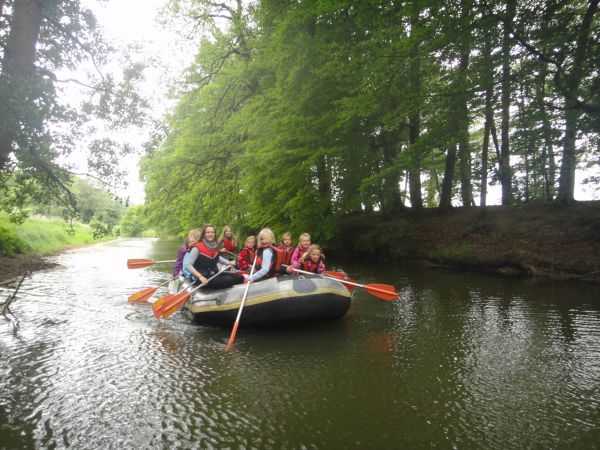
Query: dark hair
x=208 y=225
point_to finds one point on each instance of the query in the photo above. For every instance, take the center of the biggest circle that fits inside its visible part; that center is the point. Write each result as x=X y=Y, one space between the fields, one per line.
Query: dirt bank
x=12 y=267
x=538 y=240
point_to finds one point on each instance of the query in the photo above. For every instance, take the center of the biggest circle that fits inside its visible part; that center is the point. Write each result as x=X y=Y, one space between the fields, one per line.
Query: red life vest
x=206 y=262
x=230 y=245
x=287 y=254
x=246 y=258
x=276 y=261
x=309 y=266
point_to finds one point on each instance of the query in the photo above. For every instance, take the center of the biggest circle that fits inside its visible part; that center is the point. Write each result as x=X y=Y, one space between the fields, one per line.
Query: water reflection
x=458 y=361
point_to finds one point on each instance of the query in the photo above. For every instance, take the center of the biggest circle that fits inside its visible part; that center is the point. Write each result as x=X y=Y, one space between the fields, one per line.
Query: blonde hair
x=306 y=235
x=248 y=238
x=233 y=238
x=193 y=234
x=316 y=247
x=287 y=235
x=268 y=233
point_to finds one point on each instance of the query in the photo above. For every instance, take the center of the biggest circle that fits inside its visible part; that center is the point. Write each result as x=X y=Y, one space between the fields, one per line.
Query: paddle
x=341 y=276
x=227 y=251
x=140 y=263
x=170 y=303
x=239 y=314
x=145 y=294
x=383 y=291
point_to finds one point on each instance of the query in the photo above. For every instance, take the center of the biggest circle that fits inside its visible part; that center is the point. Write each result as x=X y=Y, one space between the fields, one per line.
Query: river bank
x=549 y=241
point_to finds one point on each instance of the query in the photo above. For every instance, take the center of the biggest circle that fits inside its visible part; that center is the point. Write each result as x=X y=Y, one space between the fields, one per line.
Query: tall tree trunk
x=548 y=162
x=391 y=182
x=570 y=87
x=324 y=184
x=504 y=162
x=466 y=190
x=414 y=119
x=16 y=79
x=489 y=118
x=446 y=196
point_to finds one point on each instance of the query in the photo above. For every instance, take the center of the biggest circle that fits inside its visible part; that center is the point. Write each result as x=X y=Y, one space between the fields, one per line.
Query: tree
x=38 y=127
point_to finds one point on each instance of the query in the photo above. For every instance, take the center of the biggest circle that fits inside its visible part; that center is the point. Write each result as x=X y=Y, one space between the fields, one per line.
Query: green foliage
x=43 y=235
x=133 y=222
x=40 y=126
x=299 y=114
x=10 y=242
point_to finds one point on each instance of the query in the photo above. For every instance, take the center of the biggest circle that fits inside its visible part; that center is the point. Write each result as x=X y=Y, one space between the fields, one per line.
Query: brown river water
x=459 y=361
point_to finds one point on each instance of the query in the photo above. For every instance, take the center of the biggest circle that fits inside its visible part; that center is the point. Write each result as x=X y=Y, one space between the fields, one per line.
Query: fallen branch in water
x=6 y=312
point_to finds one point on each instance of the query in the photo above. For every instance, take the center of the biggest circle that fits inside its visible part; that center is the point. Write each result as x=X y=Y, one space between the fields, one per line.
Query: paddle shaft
x=142 y=263
x=345 y=282
x=164 y=309
x=239 y=314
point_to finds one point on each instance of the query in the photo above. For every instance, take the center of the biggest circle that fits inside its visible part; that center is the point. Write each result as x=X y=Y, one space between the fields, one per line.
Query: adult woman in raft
x=203 y=259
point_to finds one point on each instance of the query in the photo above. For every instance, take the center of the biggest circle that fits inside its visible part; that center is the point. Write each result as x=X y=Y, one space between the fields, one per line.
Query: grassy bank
x=542 y=240
x=22 y=246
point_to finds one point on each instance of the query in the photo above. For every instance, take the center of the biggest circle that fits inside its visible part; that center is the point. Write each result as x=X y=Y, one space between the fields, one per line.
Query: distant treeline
x=301 y=113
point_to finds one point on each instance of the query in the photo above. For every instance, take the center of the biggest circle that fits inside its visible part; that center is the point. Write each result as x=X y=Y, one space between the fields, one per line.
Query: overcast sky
x=126 y=22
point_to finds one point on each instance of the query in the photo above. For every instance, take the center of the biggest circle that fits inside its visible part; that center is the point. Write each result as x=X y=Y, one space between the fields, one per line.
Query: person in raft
x=299 y=251
x=268 y=257
x=228 y=243
x=312 y=261
x=287 y=246
x=192 y=237
x=246 y=256
x=203 y=258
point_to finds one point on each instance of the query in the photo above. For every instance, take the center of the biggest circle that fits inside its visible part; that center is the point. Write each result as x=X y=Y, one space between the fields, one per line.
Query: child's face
x=250 y=243
x=228 y=232
x=287 y=241
x=264 y=240
x=304 y=242
x=315 y=255
x=192 y=241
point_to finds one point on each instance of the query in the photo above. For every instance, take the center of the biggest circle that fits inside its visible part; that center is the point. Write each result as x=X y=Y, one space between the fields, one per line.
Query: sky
x=126 y=22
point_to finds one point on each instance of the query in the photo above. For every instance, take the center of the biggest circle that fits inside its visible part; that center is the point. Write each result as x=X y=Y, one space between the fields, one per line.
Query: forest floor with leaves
x=551 y=241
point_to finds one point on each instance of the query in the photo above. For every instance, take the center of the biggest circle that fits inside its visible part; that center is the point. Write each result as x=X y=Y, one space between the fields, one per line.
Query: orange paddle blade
x=383 y=291
x=139 y=263
x=142 y=295
x=157 y=305
x=171 y=305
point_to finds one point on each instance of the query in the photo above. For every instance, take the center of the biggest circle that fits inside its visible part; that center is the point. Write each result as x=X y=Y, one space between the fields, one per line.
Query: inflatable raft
x=270 y=303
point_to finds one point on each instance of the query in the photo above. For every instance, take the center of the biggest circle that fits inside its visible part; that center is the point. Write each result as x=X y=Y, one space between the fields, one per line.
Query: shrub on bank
x=10 y=242
x=42 y=235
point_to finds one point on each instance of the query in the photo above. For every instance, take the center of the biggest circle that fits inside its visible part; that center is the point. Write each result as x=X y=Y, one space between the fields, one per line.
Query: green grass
x=42 y=235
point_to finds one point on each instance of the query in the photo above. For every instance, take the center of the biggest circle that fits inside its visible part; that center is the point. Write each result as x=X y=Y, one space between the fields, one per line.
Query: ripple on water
x=457 y=361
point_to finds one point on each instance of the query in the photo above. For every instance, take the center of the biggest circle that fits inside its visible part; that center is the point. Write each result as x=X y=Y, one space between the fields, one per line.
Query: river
x=459 y=361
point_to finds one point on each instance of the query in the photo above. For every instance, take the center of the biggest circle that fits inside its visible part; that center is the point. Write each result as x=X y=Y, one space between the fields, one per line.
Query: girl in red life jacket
x=228 y=242
x=288 y=248
x=302 y=249
x=268 y=257
x=246 y=256
x=312 y=261
x=202 y=260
